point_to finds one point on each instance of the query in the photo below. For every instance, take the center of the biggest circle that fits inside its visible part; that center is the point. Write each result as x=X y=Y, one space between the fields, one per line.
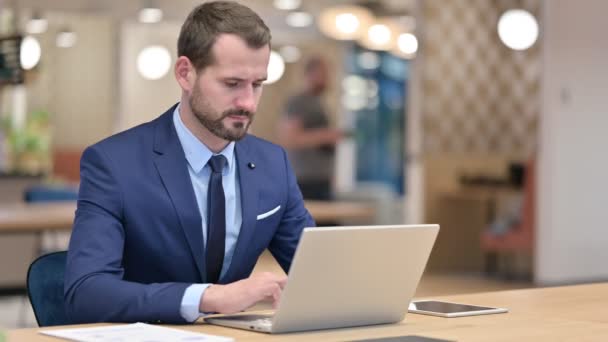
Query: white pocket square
x=268 y=213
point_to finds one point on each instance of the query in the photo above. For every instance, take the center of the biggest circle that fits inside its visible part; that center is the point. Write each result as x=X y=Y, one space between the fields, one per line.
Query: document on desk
x=136 y=332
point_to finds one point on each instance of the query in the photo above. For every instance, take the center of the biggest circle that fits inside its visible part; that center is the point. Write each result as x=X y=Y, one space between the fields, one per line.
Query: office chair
x=520 y=238
x=40 y=194
x=45 y=289
x=50 y=193
x=43 y=193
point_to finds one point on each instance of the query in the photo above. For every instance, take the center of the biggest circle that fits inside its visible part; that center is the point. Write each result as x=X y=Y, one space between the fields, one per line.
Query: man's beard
x=207 y=117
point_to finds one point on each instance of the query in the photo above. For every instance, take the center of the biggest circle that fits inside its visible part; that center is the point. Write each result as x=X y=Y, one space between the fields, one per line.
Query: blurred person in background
x=305 y=133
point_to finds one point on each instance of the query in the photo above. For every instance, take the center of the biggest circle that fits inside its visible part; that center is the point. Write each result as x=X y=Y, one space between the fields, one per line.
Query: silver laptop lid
x=351 y=276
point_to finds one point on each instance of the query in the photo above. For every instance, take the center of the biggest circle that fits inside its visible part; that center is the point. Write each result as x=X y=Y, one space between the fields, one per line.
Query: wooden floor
x=15 y=311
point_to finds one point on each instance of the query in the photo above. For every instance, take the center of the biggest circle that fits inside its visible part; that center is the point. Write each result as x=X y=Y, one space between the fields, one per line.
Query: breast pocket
x=268 y=213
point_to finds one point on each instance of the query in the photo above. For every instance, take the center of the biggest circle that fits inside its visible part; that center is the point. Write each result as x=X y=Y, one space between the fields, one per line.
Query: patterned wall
x=479 y=96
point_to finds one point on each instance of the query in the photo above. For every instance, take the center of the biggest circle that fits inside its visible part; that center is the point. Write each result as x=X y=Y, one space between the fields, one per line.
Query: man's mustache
x=237 y=112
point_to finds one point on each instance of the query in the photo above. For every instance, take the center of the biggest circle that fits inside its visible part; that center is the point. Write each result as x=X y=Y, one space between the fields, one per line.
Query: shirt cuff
x=191 y=302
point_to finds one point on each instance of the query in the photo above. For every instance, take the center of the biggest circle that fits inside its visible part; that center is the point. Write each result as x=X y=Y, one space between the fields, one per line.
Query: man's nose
x=247 y=100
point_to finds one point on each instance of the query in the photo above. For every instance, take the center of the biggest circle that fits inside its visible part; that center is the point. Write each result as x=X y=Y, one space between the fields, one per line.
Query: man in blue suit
x=173 y=214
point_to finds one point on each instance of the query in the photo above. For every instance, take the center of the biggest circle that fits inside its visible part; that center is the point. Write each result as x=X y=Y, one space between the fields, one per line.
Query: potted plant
x=28 y=147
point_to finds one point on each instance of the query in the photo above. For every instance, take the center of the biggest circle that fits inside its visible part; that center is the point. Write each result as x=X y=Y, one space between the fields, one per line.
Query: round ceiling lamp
x=381 y=35
x=346 y=22
x=66 y=38
x=287 y=5
x=30 y=53
x=299 y=19
x=150 y=15
x=518 y=29
x=406 y=47
x=153 y=62
x=37 y=24
x=276 y=68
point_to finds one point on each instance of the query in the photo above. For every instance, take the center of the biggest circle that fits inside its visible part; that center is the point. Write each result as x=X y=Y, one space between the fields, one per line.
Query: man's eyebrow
x=237 y=79
x=233 y=79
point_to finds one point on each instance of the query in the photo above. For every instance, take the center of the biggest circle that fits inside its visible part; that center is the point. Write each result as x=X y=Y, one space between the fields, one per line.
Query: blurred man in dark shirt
x=304 y=131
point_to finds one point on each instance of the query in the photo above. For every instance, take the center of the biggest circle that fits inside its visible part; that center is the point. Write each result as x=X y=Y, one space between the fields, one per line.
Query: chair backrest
x=50 y=193
x=45 y=289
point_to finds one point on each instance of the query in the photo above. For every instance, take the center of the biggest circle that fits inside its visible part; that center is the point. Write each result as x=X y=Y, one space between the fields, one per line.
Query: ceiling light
x=276 y=67
x=153 y=62
x=37 y=24
x=150 y=15
x=287 y=5
x=407 y=43
x=347 y=22
x=381 y=35
x=290 y=53
x=66 y=38
x=30 y=53
x=299 y=19
x=407 y=46
x=518 y=29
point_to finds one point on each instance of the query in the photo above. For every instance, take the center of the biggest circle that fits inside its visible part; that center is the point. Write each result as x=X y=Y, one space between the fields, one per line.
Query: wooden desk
x=23 y=217
x=324 y=211
x=36 y=217
x=570 y=313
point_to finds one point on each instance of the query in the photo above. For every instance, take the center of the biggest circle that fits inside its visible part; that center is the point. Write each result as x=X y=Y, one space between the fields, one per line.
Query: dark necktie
x=216 y=220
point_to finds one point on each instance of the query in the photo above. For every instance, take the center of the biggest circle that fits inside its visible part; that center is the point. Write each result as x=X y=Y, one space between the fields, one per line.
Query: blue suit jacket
x=137 y=240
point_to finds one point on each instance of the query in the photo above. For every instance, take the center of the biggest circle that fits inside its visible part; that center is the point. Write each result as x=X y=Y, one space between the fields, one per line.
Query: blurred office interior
x=485 y=116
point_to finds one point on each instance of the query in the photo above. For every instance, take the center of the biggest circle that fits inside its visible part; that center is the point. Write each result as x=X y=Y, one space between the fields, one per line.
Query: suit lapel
x=249 y=206
x=172 y=167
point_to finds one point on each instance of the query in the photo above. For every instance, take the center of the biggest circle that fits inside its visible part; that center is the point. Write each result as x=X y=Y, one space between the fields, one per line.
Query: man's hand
x=240 y=295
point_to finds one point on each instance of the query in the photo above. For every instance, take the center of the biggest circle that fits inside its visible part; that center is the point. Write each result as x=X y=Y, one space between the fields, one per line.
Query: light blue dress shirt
x=197 y=155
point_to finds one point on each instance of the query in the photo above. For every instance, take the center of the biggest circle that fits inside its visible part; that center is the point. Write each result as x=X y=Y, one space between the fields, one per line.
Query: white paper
x=137 y=332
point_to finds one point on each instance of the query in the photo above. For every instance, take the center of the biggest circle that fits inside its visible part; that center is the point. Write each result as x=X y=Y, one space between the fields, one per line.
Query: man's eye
x=257 y=85
x=231 y=84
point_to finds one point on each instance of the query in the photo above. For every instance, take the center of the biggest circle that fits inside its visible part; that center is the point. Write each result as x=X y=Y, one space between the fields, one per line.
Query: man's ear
x=185 y=73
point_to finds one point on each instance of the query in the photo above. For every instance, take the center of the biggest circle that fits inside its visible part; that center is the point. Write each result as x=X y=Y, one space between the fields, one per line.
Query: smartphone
x=448 y=309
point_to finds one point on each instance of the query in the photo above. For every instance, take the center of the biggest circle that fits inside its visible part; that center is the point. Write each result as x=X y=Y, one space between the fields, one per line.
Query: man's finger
x=276 y=298
x=282 y=282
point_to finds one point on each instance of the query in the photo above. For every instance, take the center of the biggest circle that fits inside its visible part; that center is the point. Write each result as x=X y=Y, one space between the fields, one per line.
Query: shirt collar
x=197 y=153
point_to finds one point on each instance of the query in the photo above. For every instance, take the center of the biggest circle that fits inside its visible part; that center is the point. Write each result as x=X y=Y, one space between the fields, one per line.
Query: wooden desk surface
x=33 y=217
x=324 y=211
x=570 y=313
x=23 y=217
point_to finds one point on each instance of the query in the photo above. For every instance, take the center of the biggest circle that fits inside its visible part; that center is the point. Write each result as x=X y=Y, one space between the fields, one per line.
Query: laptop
x=346 y=277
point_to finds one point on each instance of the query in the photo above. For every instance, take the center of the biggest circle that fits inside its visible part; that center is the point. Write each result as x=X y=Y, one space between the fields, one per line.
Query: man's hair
x=208 y=20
